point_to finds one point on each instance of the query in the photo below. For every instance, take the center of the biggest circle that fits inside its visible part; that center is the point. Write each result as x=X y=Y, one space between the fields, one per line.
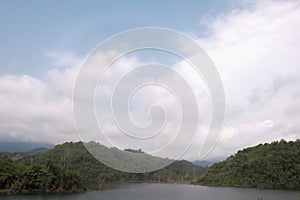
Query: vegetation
x=273 y=166
x=75 y=157
x=127 y=160
x=70 y=167
x=36 y=178
x=20 y=155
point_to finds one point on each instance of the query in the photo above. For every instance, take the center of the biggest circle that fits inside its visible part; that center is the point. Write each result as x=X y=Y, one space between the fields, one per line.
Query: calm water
x=169 y=192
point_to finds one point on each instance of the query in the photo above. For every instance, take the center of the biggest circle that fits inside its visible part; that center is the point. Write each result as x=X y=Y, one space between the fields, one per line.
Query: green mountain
x=21 y=155
x=128 y=160
x=274 y=166
x=70 y=167
x=74 y=156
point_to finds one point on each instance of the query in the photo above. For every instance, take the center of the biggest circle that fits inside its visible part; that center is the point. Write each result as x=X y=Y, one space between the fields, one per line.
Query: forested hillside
x=70 y=167
x=36 y=178
x=274 y=166
x=74 y=156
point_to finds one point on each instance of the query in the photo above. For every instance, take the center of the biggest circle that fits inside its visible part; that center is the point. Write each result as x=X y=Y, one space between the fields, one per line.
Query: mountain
x=272 y=166
x=129 y=160
x=203 y=163
x=74 y=157
x=21 y=155
x=21 y=146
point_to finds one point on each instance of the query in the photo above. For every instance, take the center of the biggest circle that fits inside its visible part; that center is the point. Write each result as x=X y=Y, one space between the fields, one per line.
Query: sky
x=255 y=46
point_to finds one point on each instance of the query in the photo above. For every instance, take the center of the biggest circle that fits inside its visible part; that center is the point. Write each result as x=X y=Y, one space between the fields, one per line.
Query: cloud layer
x=255 y=47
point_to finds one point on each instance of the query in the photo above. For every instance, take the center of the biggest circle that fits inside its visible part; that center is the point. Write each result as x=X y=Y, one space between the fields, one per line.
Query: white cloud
x=255 y=47
x=30 y=111
x=64 y=59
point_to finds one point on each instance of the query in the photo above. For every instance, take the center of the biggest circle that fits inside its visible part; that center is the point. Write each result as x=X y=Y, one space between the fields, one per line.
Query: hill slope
x=71 y=168
x=274 y=166
x=75 y=157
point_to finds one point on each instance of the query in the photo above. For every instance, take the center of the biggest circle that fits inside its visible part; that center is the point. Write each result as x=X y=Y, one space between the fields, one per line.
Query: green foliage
x=274 y=166
x=70 y=167
x=36 y=178
x=21 y=155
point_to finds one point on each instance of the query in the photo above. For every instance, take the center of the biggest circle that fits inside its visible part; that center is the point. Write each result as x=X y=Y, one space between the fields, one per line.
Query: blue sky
x=30 y=29
x=254 y=44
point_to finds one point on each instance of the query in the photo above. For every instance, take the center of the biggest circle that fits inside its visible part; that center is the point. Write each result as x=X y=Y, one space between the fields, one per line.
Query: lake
x=169 y=192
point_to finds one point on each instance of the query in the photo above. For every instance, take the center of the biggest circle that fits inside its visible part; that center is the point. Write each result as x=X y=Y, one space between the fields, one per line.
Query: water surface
x=169 y=192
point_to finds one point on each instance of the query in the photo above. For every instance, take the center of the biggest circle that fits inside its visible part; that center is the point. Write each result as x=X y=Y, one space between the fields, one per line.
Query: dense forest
x=37 y=178
x=273 y=166
x=70 y=168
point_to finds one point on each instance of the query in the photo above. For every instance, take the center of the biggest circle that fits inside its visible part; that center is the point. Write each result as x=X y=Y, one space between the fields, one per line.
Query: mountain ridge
x=22 y=146
x=269 y=166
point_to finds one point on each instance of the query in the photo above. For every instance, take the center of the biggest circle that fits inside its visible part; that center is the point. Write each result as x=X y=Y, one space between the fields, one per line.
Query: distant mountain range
x=21 y=146
x=209 y=162
x=22 y=155
x=203 y=163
